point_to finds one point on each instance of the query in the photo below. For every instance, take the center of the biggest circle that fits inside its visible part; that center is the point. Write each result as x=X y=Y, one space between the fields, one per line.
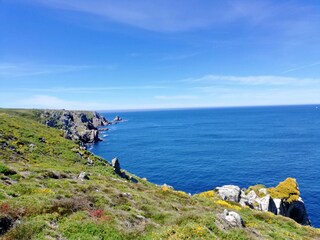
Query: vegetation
x=287 y=189
x=256 y=189
x=42 y=197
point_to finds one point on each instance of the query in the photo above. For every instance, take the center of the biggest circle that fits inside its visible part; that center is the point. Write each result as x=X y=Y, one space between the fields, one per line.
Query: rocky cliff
x=282 y=200
x=77 y=125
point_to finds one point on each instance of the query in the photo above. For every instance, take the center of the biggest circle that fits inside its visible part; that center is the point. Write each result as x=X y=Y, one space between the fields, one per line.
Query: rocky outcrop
x=98 y=120
x=117 y=119
x=77 y=125
x=116 y=166
x=117 y=170
x=83 y=176
x=279 y=200
x=233 y=218
x=229 y=192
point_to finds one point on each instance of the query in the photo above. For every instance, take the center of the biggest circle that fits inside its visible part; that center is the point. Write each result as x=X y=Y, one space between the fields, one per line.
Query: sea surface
x=197 y=150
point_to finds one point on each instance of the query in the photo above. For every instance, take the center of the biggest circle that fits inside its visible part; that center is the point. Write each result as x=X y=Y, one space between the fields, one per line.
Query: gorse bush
x=287 y=189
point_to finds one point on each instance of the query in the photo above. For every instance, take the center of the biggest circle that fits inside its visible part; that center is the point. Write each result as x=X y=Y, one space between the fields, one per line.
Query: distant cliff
x=77 y=125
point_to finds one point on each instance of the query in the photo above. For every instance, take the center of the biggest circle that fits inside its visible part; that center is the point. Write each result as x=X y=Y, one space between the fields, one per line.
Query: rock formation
x=83 y=176
x=116 y=166
x=229 y=192
x=116 y=119
x=80 y=126
x=233 y=218
x=283 y=200
x=117 y=170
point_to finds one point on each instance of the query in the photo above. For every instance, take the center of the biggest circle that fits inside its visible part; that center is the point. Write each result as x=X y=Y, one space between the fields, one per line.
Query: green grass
x=39 y=187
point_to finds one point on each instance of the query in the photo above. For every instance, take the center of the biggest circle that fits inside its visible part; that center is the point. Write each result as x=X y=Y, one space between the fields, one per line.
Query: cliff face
x=77 y=125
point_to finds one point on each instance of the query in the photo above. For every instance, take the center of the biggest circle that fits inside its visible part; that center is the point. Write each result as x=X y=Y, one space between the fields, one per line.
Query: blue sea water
x=199 y=149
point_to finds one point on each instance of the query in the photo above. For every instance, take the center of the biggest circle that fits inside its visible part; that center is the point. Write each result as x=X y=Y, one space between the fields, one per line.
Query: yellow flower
x=227 y=205
x=43 y=190
x=208 y=194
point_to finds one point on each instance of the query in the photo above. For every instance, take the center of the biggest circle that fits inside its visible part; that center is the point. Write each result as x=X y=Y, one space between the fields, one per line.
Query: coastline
x=259 y=198
x=50 y=186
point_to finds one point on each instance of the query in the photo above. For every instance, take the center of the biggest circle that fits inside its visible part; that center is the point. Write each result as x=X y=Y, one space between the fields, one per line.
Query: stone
x=297 y=211
x=229 y=192
x=117 y=119
x=31 y=145
x=252 y=197
x=126 y=195
x=263 y=191
x=233 y=218
x=279 y=206
x=90 y=161
x=116 y=166
x=83 y=176
x=249 y=199
x=266 y=204
x=132 y=179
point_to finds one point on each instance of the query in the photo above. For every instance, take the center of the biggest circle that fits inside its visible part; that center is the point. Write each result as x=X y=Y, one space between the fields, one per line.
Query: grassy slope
x=99 y=208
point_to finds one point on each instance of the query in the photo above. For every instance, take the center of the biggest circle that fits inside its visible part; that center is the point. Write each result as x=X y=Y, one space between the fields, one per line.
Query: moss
x=287 y=190
x=256 y=189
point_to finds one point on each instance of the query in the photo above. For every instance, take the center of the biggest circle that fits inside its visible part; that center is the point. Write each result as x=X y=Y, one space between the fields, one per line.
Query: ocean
x=196 y=150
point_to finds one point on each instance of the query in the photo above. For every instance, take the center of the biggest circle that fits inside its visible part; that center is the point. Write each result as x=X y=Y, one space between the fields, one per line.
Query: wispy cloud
x=254 y=80
x=32 y=69
x=84 y=89
x=175 y=97
x=178 y=57
x=301 y=67
x=45 y=101
x=166 y=15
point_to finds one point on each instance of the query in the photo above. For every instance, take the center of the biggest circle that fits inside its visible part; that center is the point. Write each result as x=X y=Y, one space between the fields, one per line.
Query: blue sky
x=123 y=54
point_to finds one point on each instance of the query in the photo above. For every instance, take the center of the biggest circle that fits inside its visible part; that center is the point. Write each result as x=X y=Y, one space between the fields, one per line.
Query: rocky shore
x=82 y=126
x=282 y=200
x=53 y=188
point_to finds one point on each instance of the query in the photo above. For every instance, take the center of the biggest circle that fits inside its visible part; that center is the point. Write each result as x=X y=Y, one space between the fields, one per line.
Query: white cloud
x=44 y=101
x=301 y=67
x=254 y=80
x=85 y=89
x=175 y=97
x=167 y=15
x=30 y=69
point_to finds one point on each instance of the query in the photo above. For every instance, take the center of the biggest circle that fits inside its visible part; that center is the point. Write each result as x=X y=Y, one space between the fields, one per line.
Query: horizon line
x=205 y=107
x=167 y=109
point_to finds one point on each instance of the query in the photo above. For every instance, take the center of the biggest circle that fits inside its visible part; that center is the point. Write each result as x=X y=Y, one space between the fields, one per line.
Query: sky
x=123 y=54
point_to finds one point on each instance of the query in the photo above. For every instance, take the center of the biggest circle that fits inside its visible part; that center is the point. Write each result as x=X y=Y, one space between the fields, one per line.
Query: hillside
x=51 y=188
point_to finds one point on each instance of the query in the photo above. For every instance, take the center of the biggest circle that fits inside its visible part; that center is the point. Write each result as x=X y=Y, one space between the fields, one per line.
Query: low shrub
x=6 y=171
x=288 y=190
